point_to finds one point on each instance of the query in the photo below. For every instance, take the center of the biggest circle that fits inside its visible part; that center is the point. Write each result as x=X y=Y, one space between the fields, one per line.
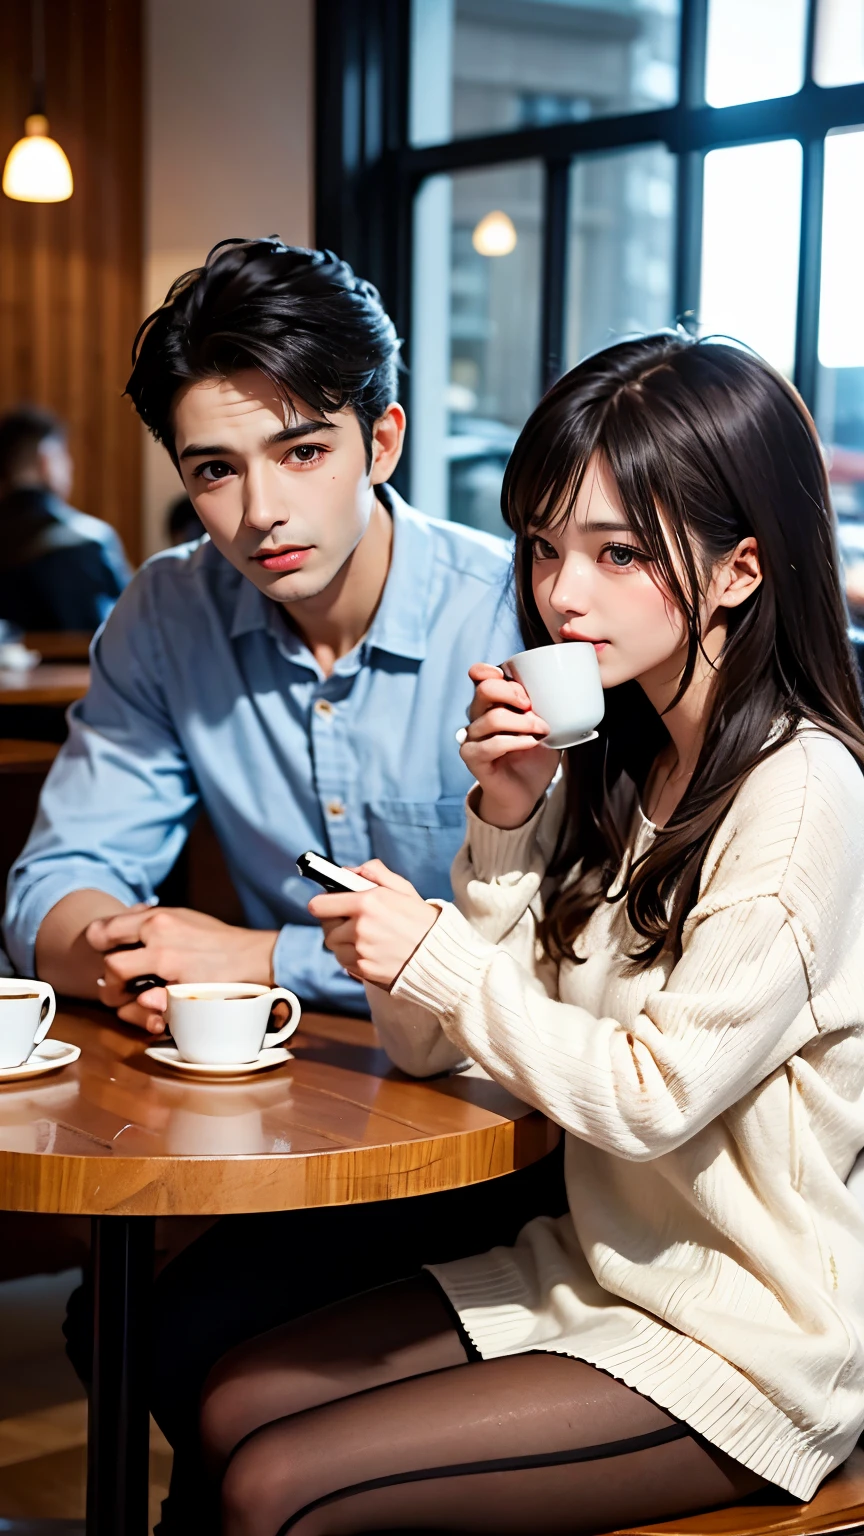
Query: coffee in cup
x=27 y=1011
x=218 y=1023
x=563 y=683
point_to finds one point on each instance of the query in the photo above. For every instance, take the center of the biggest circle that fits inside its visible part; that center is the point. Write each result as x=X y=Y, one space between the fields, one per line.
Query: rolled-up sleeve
x=117 y=805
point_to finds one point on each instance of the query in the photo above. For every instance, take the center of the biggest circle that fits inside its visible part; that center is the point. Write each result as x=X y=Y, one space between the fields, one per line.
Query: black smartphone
x=313 y=866
x=138 y=984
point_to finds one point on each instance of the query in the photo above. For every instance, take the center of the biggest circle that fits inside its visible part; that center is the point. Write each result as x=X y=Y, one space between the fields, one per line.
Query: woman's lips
x=599 y=645
x=284 y=559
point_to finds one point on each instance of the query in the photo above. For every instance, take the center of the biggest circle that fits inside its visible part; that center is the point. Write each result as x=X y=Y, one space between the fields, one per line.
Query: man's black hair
x=22 y=430
x=302 y=318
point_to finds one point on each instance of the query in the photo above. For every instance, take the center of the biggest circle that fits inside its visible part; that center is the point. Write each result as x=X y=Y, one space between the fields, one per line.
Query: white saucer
x=579 y=742
x=47 y=1057
x=169 y=1056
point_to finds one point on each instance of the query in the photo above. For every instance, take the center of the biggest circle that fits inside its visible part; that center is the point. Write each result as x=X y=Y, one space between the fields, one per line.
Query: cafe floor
x=43 y=1416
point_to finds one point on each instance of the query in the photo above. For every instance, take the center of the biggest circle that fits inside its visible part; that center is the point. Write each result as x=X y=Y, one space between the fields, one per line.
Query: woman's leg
x=526 y=1444
x=251 y=1273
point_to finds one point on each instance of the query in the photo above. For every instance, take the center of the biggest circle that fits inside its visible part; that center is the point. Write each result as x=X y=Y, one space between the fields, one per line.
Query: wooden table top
x=53 y=682
x=60 y=644
x=116 y=1133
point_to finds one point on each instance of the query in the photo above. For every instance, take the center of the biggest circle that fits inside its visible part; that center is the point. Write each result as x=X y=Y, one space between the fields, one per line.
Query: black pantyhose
x=370 y=1416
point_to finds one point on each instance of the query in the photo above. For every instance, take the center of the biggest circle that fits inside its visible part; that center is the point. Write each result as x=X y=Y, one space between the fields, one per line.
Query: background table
x=59 y=644
x=117 y=1138
x=52 y=682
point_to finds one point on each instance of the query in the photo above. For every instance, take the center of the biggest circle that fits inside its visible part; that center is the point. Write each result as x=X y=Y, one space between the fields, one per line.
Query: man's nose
x=260 y=510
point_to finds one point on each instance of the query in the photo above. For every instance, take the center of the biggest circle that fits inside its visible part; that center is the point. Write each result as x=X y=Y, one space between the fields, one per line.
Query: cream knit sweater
x=713 y=1258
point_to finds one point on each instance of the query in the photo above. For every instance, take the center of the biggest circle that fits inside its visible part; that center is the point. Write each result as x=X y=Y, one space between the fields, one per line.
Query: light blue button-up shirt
x=201 y=693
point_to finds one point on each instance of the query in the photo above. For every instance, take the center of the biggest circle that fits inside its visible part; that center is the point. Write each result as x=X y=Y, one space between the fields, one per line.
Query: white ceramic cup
x=27 y=1010
x=217 y=1023
x=563 y=684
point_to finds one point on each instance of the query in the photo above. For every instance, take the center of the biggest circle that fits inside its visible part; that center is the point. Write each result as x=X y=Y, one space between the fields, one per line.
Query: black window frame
x=367 y=172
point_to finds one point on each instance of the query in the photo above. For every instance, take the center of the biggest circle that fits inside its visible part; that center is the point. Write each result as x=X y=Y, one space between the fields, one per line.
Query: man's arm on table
x=75 y=940
x=114 y=814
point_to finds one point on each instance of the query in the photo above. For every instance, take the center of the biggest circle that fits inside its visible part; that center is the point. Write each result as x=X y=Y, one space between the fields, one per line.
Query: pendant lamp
x=495 y=235
x=36 y=169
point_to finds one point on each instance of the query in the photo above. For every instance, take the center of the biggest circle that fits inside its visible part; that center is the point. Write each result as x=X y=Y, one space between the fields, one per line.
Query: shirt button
x=324 y=708
x=335 y=808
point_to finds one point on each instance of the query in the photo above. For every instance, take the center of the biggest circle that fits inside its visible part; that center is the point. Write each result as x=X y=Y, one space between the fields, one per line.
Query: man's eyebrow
x=287 y=435
x=302 y=429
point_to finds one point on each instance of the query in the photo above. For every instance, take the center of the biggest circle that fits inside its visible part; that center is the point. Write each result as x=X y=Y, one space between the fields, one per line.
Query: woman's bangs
x=651 y=502
x=544 y=495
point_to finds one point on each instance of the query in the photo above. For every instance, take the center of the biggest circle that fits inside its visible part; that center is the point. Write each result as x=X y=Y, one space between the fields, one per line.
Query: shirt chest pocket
x=418 y=839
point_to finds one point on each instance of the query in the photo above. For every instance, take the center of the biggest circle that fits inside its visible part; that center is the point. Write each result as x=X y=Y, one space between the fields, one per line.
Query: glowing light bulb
x=495 y=235
x=37 y=170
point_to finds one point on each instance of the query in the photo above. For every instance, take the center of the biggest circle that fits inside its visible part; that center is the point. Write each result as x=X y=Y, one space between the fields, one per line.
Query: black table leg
x=118 y=1440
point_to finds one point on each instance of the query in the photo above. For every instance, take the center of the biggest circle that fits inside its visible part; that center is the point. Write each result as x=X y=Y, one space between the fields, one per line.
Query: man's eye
x=213 y=471
x=543 y=550
x=305 y=453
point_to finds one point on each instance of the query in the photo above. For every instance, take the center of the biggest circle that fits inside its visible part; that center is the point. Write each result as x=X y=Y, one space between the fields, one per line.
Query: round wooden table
x=118 y=1138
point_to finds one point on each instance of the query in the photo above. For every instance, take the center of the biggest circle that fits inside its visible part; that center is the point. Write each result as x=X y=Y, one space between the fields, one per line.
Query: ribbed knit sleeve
x=497 y=874
x=412 y=1036
x=734 y=1007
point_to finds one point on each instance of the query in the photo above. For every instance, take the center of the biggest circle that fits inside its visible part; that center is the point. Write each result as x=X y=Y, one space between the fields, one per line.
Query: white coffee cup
x=27 y=1010
x=563 y=684
x=217 y=1023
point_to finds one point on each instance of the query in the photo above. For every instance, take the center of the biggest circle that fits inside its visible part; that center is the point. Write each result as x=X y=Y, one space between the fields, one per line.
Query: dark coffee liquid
x=216 y=997
x=16 y=997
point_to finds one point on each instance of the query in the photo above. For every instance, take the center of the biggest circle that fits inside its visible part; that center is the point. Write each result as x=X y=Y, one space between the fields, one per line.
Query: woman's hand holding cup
x=502 y=748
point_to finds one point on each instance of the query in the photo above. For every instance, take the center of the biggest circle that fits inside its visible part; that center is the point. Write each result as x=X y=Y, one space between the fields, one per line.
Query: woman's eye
x=543 y=550
x=622 y=555
x=305 y=453
x=212 y=472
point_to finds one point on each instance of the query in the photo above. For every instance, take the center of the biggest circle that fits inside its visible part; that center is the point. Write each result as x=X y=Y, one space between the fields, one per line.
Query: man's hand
x=373 y=934
x=178 y=945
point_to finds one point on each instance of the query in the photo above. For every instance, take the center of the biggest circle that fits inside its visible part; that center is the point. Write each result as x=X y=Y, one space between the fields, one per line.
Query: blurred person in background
x=182 y=523
x=59 y=568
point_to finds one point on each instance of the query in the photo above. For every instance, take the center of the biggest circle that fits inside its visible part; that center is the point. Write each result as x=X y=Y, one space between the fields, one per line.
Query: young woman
x=663 y=950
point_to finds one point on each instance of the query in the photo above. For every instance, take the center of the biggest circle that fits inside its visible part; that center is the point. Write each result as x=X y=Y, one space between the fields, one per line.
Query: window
x=620 y=249
x=840 y=395
x=477 y=328
x=750 y=234
x=755 y=50
x=497 y=65
x=562 y=172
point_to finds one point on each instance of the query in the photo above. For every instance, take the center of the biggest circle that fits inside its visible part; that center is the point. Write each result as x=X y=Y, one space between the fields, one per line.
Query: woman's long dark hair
x=706 y=439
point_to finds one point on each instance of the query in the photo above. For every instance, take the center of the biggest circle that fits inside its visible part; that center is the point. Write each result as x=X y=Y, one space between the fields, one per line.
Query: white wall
x=228 y=150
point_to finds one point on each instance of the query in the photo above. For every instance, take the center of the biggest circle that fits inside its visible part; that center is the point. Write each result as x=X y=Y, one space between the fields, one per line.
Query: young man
x=59 y=568
x=302 y=674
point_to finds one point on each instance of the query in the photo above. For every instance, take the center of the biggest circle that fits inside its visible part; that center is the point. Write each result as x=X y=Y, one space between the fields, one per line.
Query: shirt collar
x=399 y=626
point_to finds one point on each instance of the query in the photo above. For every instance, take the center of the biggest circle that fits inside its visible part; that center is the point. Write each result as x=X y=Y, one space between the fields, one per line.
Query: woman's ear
x=737 y=577
x=388 y=435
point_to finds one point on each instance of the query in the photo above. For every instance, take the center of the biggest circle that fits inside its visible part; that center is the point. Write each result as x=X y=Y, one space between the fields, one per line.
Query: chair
x=838 y=1506
x=23 y=769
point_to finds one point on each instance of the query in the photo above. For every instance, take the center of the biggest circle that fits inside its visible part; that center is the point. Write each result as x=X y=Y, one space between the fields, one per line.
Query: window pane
x=840 y=398
x=755 y=50
x=839 y=58
x=620 y=271
x=476 y=336
x=750 y=237
x=484 y=66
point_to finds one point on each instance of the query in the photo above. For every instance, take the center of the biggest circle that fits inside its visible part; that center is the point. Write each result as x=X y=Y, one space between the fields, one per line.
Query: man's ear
x=388 y=435
x=739 y=575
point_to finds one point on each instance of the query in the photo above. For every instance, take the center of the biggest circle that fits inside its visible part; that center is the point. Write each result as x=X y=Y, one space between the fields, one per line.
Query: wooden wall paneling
x=70 y=273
